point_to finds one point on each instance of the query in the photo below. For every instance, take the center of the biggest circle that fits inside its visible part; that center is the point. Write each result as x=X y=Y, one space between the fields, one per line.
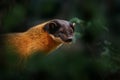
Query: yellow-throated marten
x=44 y=37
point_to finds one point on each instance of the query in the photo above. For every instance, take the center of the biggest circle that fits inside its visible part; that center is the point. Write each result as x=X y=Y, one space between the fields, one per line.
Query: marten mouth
x=68 y=40
x=66 y=43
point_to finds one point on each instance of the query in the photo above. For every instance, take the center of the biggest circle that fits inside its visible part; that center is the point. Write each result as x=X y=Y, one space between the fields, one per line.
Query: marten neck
x=41 y=38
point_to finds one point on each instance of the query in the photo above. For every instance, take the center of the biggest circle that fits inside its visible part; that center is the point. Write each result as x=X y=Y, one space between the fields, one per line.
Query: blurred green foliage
x=94 y=55
x=14 y=17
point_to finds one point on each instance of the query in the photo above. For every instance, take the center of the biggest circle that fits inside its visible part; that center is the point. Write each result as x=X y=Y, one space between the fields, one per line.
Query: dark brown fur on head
x=61 y=30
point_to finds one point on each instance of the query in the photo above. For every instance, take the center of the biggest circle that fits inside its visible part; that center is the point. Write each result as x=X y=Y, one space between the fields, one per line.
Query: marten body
x=43 y=38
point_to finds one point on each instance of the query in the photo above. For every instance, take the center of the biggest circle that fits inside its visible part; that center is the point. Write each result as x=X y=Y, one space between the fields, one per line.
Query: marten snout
x=64 y=30
x=69 y=39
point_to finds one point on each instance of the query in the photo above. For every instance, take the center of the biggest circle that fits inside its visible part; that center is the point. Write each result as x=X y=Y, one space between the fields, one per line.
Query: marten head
x=60 y=30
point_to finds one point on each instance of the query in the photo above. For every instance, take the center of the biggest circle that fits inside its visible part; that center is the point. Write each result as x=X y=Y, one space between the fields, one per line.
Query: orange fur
x=33 y=40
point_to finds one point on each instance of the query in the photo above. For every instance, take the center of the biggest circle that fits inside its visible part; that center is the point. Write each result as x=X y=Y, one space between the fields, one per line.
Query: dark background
x=94 y=54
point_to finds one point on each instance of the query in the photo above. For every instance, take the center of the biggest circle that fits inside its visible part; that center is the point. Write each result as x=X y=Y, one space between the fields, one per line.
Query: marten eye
x=62 y=32
x=71 y=31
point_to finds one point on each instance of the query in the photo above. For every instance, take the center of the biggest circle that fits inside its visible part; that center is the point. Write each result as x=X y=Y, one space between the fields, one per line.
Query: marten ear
x=72 y=25
x=51 y=27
